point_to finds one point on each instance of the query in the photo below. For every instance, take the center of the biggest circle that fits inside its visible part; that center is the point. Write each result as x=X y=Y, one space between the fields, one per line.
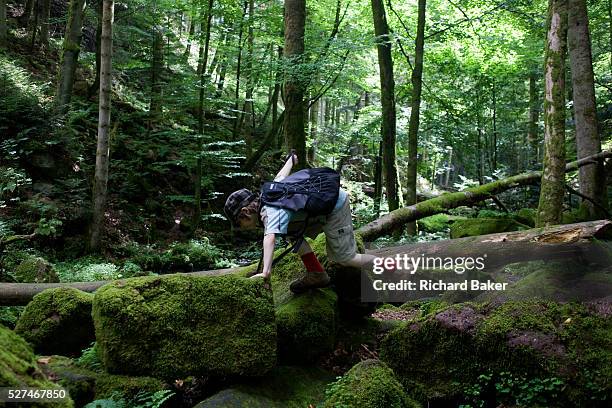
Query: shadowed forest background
x=125 y=125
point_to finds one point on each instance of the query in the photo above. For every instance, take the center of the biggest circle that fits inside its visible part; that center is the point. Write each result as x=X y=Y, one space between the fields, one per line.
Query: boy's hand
x=266 y=278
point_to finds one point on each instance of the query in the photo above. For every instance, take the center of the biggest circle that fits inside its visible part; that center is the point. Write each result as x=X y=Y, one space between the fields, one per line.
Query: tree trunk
x=509 y=247
x=3 y=23
x=295 y=21
x=95 y=87
x=387 y=91
x=591 y=178
x=314 y=124
x=45 y=10
x=222 y=67
x=24 y=21
x=395 y=219
x=532 y=133
x=249 y=112
x=553 y=176
x=203 y=82
x=191 y=32
x=157 y=66
x=494 y=142
x=103 y=149
x=238 y=73
x=378 y=179
x=413 y=126
x=70 y=53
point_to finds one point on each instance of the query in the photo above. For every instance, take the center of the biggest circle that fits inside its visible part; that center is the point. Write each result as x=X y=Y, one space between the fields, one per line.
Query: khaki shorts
x=339 y=234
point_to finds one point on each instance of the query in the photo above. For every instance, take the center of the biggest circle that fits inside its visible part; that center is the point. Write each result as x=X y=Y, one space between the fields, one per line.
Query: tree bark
x=249 y=112
x=494 y=141
x=95 y=87
x=3 y=23
x=24 y=21
x=203 y=83
x=387 y=90
x=238 y=73
x=157 y=66
x=45 y=10
x=295 y=23
x=413 y=126
x=532 y=132
x=191 y=32
x=591 y=178
x=70 y=53
x=553 y=175
x=103 y=149
x=395 y=219
x=314 y=124
x=502 y=249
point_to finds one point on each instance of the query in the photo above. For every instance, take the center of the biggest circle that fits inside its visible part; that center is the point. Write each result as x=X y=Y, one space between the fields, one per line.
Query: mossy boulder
x=58 y=321
x=481 y=226
x=306 y=325
x=369 y=384
x=34 y=269
x=85 y=385
x=443 y=357
x=175 y=326
x=18 y=368
x=284 y=387
x=526 y=216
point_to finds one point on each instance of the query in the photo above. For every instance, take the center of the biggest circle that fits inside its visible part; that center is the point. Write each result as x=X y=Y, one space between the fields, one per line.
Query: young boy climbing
x=242 y=208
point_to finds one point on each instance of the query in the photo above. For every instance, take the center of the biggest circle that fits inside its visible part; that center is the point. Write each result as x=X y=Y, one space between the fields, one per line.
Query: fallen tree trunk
x=502 y=249
x=17 y=294
x=390 y=222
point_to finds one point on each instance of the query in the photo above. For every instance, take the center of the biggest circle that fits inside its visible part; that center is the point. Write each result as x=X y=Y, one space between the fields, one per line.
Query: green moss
x=175 y=326
x=85 y=385
x=482 y=226
x=283 y=387
x=369 y=384
x=526 y=216
x=435 y=223
x=58 y=321
x=306 y=325
x=35 y=270
x=9 y=315
x=18 y=367
x=441 y=355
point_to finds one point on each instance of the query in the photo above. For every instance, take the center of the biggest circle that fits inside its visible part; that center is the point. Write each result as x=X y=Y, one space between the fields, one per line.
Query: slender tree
x=103 y=149
x=44 y=8
x=95 y=87
x=249 y=113
x=70 y=52
x=3 y=23
x=295 y=23
x=387 y=88
x=413 y=126
x=553 y=173
x=591 y=178
x=532 y=131
x=238 y=72
x=204 y=45
x=157 y=66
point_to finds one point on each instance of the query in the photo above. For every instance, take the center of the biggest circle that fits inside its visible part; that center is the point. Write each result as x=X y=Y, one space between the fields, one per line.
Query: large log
x=390 y=222
x=502 y=249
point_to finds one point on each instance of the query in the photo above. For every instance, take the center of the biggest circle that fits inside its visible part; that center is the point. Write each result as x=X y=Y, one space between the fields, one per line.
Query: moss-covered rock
x=306 y=325
x=284 y=387
x=58 y=321
x=481 y=226
x=175 y=326
x=86 y=385
x=526 y=216
x=35 y=270
x=18 y=368
x=369 y=384
x=443 y=356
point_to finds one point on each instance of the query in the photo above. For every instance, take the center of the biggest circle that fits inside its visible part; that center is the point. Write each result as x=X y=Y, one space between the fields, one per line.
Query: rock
x=58 y=321
x=481 y=226
x=18 y=369
x=369 y=384
x=175 y=326
x=441 y=356
x=85 y=385
x=306 y=325
x=526 y=216
x=284 y=387
x=35 y=270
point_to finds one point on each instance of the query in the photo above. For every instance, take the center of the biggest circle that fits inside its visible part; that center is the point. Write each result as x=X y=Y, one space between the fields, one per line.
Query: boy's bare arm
x=286 y=170
x=268 y=253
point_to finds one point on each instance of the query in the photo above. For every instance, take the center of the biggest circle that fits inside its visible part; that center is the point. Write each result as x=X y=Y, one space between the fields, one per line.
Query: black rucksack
x=312 y=190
